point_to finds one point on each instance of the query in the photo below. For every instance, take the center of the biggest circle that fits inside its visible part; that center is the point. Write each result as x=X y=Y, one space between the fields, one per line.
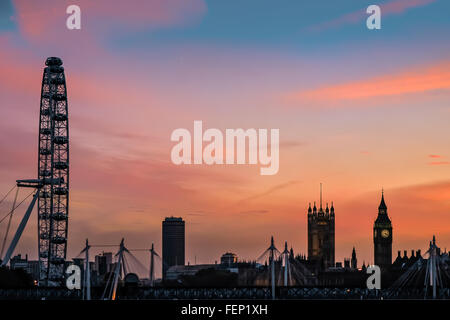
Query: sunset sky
x=358 y=110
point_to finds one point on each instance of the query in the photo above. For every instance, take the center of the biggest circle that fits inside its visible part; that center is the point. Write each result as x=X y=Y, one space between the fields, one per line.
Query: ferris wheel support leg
x=20 y=229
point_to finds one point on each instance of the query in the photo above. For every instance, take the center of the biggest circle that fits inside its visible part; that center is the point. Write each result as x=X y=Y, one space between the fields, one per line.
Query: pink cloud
x=390 y=8
x=400 y=6
x=45 y=19
x=17 y=62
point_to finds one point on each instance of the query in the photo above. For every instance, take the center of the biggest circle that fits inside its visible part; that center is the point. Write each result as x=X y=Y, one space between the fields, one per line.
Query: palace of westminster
x=321 y=237
x=321 y=242
x=320 y=259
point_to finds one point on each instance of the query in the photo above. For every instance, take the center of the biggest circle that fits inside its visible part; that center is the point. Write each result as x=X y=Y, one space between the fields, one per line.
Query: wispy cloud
x=418 y=80
x=270 y=191
x=439 y=163
x=43 y=20
x=389 y=8
x=254 y=211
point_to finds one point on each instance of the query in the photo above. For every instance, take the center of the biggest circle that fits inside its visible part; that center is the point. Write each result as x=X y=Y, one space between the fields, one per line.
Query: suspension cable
x=11 y=212
x=7 y=194
x=9 y=223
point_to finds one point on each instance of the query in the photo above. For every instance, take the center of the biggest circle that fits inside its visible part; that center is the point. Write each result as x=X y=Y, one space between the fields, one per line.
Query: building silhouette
x=354 y=261
x=321 y=236
x=404 y=262
x=228 y=258
x=382 y=237
x=346 y=263
x=103 y=263
x=29 y=266
x=173 y=243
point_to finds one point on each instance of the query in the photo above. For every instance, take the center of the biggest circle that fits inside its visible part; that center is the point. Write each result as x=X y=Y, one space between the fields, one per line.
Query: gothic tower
x=321 y=245
x=354 y=261
x=382 y=237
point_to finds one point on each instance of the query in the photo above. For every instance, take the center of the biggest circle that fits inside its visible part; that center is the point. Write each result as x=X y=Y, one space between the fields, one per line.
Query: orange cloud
x=421 y=80
x=438 y=163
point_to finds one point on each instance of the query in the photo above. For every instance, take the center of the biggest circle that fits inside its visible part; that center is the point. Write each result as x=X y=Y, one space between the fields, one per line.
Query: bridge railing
x=225 y=293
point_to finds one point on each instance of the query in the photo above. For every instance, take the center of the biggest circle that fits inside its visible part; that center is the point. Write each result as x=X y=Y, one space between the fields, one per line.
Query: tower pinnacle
x=320 y=196
x=382 y=205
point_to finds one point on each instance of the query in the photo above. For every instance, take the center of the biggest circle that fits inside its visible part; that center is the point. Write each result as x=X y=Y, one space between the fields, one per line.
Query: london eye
x=51 y=188
x=53 y=172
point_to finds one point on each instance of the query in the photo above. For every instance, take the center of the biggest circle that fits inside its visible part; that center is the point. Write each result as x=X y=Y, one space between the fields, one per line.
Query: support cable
x=9 y=224
x=7 y=194
x=11 y=212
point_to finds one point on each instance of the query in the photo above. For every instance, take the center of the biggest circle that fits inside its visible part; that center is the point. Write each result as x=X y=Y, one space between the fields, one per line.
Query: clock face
x=385 y=233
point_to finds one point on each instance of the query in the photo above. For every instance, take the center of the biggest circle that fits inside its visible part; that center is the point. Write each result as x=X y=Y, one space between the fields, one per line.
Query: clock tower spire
x=382 y=236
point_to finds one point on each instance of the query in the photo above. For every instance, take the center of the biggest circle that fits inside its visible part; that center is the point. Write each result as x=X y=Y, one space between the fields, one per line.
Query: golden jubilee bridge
x=279 y=278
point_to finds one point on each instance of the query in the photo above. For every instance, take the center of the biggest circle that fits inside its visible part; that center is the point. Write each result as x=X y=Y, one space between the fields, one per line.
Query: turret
x=321 y=234
x=354 y=261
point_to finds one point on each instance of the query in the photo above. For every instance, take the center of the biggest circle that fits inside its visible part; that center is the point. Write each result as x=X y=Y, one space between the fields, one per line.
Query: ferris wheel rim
x=53 y=165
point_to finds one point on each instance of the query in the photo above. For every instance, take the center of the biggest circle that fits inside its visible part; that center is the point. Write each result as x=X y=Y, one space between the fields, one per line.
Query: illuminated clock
x=385 y=233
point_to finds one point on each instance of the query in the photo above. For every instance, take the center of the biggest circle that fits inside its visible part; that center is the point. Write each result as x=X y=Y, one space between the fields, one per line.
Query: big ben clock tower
x=382 y=237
